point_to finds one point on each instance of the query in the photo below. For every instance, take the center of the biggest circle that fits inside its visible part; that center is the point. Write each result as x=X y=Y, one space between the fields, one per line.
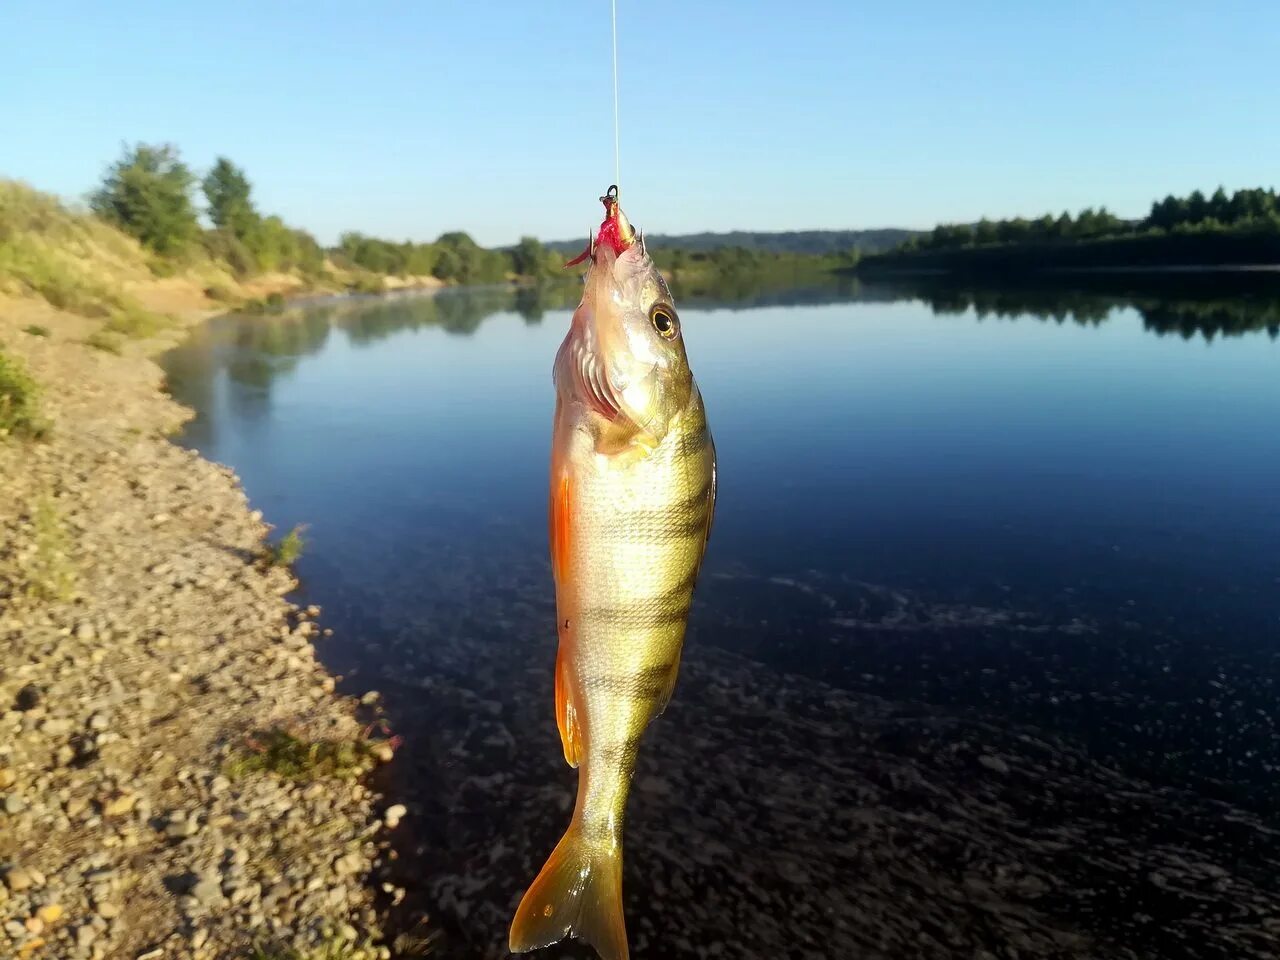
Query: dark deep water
x=986 y=648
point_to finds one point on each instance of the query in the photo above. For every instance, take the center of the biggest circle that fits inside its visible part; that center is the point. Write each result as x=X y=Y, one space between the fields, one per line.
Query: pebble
x=994 y=764
x=56 y=727
x=18 y=879
x=394 y=814
x=119 y=805
x=14 y=804
x=107 y=910
x=207 y=891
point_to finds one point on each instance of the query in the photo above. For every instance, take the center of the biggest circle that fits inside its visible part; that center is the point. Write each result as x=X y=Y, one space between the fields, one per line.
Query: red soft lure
x=615 y=229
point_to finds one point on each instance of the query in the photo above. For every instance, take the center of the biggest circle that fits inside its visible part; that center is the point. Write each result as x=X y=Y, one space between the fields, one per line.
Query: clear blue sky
x=407 y=119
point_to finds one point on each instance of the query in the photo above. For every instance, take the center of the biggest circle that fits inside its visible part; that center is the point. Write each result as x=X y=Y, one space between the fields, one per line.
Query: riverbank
x=177 y=777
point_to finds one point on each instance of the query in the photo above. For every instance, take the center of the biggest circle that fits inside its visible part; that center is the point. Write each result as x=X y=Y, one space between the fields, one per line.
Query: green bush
x=289 y=549
x=290 y=757
x=19 y=402
x=36 y=330
x=106 y=341
x=135 y=322
x=366 y=283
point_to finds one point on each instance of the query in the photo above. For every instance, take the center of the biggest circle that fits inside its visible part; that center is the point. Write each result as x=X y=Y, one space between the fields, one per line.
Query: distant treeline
x=810 y=242
x=1243 y=228
x=151 y=194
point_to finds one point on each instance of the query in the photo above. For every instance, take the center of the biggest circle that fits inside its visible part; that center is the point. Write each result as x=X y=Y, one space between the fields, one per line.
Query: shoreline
x=143 y=811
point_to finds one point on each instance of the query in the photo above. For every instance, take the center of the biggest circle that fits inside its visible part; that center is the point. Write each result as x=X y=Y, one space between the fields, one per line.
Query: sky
x=408 y=119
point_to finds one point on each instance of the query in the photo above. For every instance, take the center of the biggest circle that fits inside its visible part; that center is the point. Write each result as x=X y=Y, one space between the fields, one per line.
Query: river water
x=985 y=653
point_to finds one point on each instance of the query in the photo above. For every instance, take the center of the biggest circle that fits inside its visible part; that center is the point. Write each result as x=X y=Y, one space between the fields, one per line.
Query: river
x=985 y=653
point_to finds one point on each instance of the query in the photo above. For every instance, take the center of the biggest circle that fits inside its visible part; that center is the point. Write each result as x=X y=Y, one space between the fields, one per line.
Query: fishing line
x=617 y=151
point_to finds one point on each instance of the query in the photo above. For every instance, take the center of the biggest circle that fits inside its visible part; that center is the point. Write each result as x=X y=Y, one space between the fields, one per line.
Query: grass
x=288 y=550
x=36 y=330
x=136 y=323
x=106 y=341
x=50 y=575
x=290 y=757
x=19 y=402
x=63 y=255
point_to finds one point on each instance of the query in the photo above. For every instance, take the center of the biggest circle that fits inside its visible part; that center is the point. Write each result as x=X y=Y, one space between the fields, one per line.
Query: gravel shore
x=143 y=642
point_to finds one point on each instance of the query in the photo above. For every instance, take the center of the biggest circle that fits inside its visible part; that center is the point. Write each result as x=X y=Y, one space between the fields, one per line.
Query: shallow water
x=973 y=578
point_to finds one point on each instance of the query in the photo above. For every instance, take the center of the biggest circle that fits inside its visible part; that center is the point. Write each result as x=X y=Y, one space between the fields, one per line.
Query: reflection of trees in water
x=460 y=311
x=1208 y=305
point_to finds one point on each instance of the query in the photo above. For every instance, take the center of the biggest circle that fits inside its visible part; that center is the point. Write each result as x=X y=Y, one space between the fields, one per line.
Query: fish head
x=624 y=356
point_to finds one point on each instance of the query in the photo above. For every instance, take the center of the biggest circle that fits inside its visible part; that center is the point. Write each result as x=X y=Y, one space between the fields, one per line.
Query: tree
x=529 y=258
x=985 y=232
x=1220 y=206
x=147 y=193
x=1197 y=207
x=227 y=189
x=448 y=265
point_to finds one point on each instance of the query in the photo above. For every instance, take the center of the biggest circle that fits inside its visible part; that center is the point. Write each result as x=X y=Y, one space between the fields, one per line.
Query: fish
x=632 y=500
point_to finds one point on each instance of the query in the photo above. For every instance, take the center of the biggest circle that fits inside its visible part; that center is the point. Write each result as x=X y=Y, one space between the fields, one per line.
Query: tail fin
x=578 y=893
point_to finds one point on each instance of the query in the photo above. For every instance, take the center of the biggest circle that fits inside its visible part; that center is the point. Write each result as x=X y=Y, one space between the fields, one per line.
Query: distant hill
x=790 y=241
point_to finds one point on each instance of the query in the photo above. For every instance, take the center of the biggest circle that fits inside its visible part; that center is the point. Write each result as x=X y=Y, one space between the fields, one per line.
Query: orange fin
x=577 y=894
x=566 y=712
x=560 y=515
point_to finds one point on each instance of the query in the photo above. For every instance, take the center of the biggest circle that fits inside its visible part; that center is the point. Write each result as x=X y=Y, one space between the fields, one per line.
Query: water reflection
x=1186 y=305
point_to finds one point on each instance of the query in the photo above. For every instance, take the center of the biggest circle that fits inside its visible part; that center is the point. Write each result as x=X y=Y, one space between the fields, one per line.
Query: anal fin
x=566 y=712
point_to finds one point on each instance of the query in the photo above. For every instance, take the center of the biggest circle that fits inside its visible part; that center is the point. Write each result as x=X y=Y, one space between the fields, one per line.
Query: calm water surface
x=1061 y=529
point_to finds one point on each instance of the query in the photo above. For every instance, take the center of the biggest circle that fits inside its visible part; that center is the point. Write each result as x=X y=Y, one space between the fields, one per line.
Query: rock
x=28 y=698
x=370 y=698
x=85 y=630
x=50 y=912
x=34 y=925
x=99 y=721
x=348 y=864
x=85 y=935
x=7 y=778
x=181 y=829
x=382 y=751
x=119 y=805
x=394 y=814
x=994 y=764
x=207 y=891
x=56 y=727
x=13 y=804
x=17 y=879
x=108 y=910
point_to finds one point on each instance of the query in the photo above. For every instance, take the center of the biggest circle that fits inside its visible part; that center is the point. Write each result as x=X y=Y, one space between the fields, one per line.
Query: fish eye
x=664 y=321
